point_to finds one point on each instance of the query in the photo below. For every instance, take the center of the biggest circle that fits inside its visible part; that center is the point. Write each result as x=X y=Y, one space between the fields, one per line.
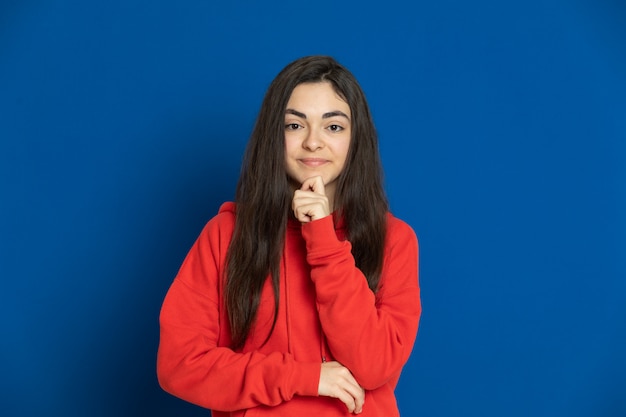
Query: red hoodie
x=326 y=312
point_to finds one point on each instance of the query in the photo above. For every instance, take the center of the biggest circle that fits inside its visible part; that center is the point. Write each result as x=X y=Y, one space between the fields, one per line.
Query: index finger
x=315 y=184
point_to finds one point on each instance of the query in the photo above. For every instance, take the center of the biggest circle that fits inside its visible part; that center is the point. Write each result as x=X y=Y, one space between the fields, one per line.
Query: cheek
x=344 y=150
x=290 y=145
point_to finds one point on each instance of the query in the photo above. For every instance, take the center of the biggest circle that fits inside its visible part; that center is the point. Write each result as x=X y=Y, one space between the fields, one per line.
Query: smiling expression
x=317 y=134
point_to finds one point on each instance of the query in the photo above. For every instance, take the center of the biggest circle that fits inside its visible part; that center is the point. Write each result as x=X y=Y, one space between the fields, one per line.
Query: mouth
x=313 y=162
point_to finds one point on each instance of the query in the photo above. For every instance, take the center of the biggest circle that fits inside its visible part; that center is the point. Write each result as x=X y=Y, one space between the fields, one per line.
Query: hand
x=336 y=381
x=310 y=201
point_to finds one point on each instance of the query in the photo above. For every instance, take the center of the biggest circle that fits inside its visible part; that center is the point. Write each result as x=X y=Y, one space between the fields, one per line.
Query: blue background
x=503 y=135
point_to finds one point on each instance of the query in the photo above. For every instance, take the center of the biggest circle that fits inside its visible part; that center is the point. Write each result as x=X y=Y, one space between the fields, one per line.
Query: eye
x=292 y=126
x=335 y=128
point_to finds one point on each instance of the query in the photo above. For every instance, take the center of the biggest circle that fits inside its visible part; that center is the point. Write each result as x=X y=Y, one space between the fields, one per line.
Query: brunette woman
x=302 y=297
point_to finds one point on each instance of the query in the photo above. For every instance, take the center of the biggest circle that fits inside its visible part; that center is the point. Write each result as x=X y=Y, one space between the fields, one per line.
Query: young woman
x=302 y=298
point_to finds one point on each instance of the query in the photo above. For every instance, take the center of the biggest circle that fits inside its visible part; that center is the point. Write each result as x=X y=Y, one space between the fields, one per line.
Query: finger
x=308 y=197
x=308 y=194
x=308 y=206
x=335 y=382
x=347 y=398
x=357 y=393
x=350 y=386
x=315 y=184
x=311 y=211
x=359 y=400
x=304 y=213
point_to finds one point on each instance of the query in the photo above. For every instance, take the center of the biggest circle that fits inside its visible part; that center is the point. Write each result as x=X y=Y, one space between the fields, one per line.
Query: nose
x=313 y=140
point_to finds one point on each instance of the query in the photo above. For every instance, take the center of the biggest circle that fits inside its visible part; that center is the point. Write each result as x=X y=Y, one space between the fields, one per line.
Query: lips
x=313 y=162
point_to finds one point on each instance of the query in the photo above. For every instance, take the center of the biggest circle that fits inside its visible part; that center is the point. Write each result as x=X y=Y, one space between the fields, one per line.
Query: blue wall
x=503 y=134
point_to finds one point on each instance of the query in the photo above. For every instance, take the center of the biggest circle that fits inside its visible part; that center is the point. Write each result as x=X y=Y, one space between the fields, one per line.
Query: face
x=317 y=134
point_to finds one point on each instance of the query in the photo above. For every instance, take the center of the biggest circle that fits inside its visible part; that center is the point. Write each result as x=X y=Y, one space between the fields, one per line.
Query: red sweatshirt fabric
x=326 y=312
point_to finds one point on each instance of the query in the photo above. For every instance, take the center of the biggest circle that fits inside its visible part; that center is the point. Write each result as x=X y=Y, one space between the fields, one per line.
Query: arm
x=372 y=335
x=193 y=361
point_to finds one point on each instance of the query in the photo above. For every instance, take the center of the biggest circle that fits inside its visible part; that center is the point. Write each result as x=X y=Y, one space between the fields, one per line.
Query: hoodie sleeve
x=192 y=361
x=372 y=335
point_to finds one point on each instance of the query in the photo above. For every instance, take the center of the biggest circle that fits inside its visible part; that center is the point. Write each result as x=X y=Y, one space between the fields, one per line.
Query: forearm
x=223 y=380
x=191 y=365
x=370 y=334
x=373 y=341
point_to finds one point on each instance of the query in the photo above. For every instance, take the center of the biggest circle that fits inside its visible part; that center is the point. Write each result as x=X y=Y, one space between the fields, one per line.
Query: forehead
x=316 y=97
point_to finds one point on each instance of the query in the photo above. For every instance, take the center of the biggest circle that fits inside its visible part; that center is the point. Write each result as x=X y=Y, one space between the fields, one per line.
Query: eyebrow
x=324 y=116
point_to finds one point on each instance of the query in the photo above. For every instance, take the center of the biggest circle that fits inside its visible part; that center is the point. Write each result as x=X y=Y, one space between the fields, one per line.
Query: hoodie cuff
x=306 y=378
x=320 y=237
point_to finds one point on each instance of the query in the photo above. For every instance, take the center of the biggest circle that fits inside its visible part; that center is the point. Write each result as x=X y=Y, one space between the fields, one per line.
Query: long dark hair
x=263 y=197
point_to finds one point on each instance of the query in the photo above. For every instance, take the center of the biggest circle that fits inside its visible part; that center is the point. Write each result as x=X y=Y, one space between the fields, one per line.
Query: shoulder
x=226 y=213
x=400 y=238
x=401 y=260
x=221 y=226
x=399 y=229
